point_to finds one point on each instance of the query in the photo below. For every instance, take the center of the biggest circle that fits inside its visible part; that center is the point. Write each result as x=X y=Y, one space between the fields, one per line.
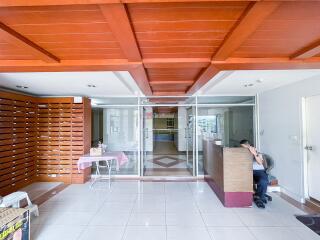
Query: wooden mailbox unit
x=41 y=139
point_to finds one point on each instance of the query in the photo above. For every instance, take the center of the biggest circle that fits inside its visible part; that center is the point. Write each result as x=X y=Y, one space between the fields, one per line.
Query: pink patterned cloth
x=86 y=160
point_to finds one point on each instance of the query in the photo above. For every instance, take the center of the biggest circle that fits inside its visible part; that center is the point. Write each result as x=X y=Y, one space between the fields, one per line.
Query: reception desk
x=228 y=171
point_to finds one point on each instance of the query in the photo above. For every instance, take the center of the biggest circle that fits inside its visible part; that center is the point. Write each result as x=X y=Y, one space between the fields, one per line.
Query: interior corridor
x=165 y=148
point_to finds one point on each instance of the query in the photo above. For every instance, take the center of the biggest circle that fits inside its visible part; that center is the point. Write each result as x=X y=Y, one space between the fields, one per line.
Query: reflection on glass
x=118 y=130
x=121 y=134
x=208 y=124
x=226 y=124
x=226 y=100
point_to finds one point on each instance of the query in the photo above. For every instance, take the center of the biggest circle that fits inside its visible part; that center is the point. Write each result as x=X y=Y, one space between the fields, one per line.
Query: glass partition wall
x=163 y=136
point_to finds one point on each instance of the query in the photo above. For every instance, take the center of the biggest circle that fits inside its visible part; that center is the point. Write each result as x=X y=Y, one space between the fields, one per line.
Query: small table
x=87 y=160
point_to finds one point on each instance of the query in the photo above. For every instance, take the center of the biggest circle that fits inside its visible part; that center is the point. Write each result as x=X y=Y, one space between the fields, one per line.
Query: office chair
x=268 y=165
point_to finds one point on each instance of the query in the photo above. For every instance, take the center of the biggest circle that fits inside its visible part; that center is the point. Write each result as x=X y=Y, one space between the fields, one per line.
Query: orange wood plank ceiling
x=170 y=48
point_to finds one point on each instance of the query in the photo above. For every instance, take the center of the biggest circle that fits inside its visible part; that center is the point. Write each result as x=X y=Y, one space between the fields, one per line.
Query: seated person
x=259 y=174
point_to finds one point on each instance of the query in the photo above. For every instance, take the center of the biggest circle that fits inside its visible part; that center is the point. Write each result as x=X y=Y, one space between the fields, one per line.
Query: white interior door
x=313 y=145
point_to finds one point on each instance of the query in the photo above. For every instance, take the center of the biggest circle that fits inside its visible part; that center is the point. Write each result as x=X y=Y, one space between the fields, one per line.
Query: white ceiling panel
x=251 y=82
x=72 y=83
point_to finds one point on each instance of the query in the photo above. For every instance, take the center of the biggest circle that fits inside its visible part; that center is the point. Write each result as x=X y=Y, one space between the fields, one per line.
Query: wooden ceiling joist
x=118 y=20
x=176 y=62
x=12 y=37
x=140 y=76
x=267 y=64
x=21 y=3
x=308 y=51
x=204 y=77
x=253 y=16
x=166 y=93
x=66 y=65
x=156 y=83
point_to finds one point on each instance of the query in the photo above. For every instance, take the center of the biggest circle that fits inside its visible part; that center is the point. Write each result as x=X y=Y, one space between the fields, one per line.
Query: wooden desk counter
x=228 y=171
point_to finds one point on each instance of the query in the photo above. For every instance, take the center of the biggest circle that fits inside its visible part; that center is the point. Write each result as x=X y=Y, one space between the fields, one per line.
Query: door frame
x=141 y=132
x=141 y=104
x=304 y=152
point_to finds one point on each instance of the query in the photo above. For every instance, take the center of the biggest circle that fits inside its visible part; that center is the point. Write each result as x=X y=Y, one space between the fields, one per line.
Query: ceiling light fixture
x=20 y=86
x=91 y=85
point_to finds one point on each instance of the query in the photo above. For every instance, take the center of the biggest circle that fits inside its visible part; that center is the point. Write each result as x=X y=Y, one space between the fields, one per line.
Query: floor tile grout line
x=205 y=225
x=245 y=225
x=130 y=214
x=165 y=210
x=87 y=225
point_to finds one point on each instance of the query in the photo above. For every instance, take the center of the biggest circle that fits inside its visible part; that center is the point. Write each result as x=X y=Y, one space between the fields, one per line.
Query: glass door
x=167 y=137
x=146 y=136
x=120 y=133
x=190 y=140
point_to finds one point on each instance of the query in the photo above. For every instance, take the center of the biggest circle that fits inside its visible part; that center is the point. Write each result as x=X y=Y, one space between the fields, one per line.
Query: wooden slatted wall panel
x=54 y=140
x=41 y=139
x=17 y=141
x=81 y=138
x=60 y=140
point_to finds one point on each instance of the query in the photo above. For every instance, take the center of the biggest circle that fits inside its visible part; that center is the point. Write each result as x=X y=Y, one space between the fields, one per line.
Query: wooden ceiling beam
x=176 y=62
x=203 y=78
x=118 y=20
x=67 y=65
x=12 y=37
x=159 y=83
x=308 y=51
x=253 y=16
x=166 y=93
x=267 y=63
x=28 y=3
x=125 y=65
x=140 y=76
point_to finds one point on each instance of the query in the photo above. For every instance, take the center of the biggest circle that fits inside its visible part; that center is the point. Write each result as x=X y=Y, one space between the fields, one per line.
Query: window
x=170 y=123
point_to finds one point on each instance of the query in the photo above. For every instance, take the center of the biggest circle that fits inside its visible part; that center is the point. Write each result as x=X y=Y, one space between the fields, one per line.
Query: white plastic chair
x=13 y=200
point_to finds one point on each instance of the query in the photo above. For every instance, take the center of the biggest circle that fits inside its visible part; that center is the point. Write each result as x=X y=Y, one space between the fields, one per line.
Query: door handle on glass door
x=146 y=133
x=308 y=148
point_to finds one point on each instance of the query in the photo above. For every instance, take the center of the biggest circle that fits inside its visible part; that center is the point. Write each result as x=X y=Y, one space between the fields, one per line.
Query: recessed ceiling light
x=20 y=86
x=91 y=85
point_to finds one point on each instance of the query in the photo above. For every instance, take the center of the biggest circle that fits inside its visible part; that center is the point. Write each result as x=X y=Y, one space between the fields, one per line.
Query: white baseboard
x=276 y=188
x=292 y=195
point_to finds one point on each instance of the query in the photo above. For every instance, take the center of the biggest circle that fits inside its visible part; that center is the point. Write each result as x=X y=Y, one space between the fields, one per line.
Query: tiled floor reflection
x=160 y=211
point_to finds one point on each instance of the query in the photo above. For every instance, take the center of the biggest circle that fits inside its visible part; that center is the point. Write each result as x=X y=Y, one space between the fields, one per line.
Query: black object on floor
x=259 y=203
x=311 y=221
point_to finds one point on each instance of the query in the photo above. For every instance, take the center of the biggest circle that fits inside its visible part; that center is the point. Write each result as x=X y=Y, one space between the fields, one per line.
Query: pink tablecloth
x=86 y=160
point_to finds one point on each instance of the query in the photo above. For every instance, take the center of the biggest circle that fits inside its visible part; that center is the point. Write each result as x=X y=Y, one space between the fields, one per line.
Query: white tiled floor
x=161 y=211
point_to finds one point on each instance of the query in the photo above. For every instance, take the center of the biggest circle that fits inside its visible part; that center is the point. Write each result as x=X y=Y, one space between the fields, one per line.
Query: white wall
x=281 y=132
